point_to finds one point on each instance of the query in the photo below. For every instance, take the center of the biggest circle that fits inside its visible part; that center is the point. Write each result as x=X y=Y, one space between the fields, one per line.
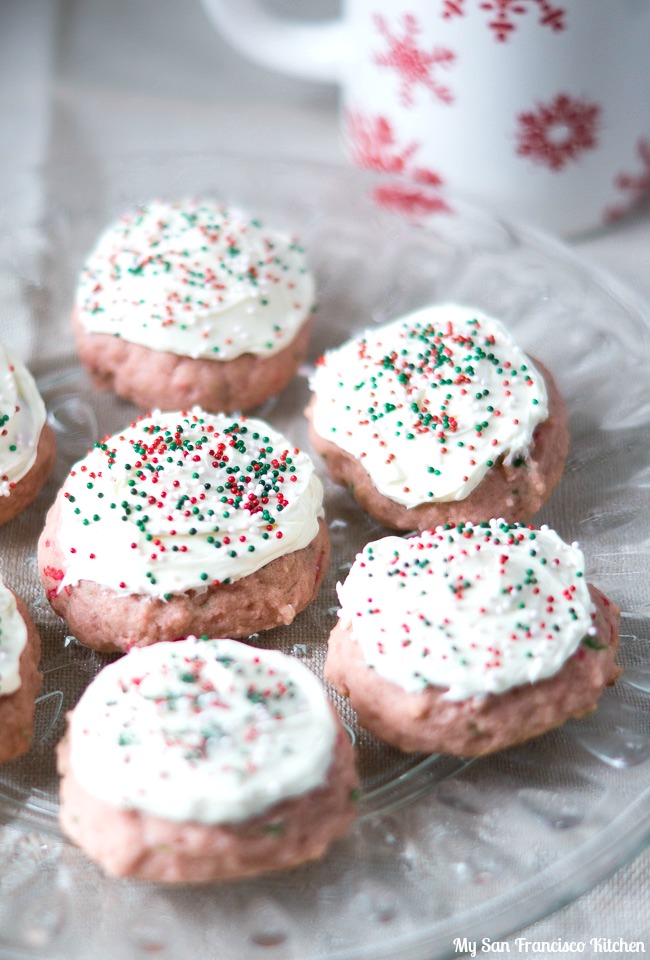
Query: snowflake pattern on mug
x=503 y=22
x=559 y=132
x=414 y=65
x=635 y=186
x=373 y=145
x=414 y=202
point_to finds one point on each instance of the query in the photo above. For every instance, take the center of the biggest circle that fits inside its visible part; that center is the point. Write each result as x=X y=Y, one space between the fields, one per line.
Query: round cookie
x=185 y=523
x=27 y=443
x=193 y=303
x=205 y=760
x=469 y=639
x=439 y=417
x=20 y=677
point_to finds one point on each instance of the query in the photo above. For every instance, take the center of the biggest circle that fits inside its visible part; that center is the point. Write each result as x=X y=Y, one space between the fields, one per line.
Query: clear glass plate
x=441 y=848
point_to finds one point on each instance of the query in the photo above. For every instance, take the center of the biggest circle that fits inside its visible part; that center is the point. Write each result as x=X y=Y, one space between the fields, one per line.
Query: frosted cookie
x=185 y=523
x=439 y=417
x=469 y=639
x=20 y=678
x=205 y=760
x=27 y=444
x=193 y=303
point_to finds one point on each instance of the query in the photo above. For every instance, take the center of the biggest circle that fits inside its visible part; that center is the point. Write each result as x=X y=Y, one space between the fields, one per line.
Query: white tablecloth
x=96 y=78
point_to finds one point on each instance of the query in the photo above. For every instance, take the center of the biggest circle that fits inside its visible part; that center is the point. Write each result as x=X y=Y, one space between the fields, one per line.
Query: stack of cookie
x=196 y=757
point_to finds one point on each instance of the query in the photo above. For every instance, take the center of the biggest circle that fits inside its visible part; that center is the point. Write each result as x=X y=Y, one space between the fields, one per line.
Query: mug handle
x=313 y=51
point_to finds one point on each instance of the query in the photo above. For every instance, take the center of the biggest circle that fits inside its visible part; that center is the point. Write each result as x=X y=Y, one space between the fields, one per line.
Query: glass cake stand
x=441 y=847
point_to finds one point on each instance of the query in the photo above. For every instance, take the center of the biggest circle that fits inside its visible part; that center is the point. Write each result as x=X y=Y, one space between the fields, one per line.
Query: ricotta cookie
x=193 y=303
x=439 y=417
x=185 y=523
x=27 y=444
x=205 y=760
x=469 y=639
x=20 y=677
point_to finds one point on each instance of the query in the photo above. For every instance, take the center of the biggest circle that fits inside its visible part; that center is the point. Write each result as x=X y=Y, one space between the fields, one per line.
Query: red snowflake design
x=634 y=186
x=559 y=132
x=413 y=64
x=373 y=146
x=411 y=201
x=503 y=23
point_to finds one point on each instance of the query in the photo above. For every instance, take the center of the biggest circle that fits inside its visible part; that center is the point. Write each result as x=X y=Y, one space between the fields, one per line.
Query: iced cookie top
x=22 y=417
x=13 y=637
x=180 y=501
x=212 y=731
x=428 y=403
x=196 y=279
x=472 y=609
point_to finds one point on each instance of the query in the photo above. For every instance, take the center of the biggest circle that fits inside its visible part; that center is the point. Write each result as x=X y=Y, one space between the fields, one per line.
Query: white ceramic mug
x=539 y=109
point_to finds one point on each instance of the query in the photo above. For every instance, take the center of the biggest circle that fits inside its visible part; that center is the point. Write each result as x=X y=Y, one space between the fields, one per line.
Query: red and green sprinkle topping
x=197 y=279
x=214 y=731
x=473 y=609
x=430 y=402
x=22 y=417
x=186 y=500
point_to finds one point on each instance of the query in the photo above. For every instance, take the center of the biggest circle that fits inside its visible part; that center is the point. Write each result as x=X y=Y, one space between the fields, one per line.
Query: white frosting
x=196 y=279
x=22 y=416
x=180 y=501
x=13 y=638
x=428 y=403
x=475 y=610
x=212 y=731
